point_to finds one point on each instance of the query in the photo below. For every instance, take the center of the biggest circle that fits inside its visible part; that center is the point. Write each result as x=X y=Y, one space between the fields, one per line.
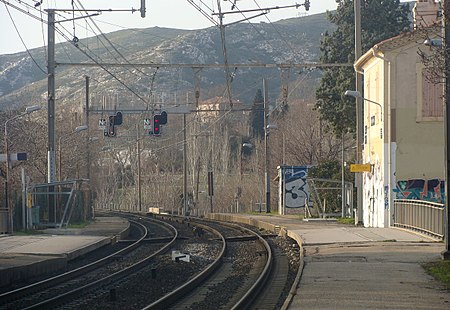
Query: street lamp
x=357 y=94
x=28 y=110
x=77 y=130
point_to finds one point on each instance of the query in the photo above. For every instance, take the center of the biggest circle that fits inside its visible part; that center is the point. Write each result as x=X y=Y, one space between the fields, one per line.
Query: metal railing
x=422 y=216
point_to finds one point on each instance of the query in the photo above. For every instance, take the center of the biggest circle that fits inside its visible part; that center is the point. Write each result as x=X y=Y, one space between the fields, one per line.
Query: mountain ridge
x=294 y=40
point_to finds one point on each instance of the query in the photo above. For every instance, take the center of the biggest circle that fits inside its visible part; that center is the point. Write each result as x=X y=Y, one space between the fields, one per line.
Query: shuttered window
x=432 y=102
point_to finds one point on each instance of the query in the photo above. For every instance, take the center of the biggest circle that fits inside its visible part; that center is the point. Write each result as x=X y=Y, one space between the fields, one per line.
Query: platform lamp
x=28 y=110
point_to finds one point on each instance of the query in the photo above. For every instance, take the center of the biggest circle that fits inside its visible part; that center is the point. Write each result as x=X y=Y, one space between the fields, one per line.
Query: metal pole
x=225 y=57
x=51 y=113
x=266 y=145
x=446 y=17
x=8 y=207
x=184 y=167
x=359 y=116
x=88 y=151
x=51 y=95
x=59 y=159
x=24 y=202
x=88 y=155
x=343 y=211
x=138 y=146
x=210 y=176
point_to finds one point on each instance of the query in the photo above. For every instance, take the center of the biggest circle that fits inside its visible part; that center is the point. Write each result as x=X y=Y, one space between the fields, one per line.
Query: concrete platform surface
x=22 y=257
x=348 y=267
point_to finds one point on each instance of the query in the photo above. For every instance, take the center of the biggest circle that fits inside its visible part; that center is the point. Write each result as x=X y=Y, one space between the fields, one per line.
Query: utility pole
x=266 y=145
x=51 y=170
x=185 y=198
x=446 y=18
x=138 y=150
x=88 y=151
x=51 y=96
x=224 y=51
x=359 y=115
x=343 y=205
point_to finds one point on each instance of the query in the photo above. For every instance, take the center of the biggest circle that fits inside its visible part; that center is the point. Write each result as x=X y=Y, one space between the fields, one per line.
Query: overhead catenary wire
x=101 y=66
x=111 y=44
x=23 y=42
x=288 y=44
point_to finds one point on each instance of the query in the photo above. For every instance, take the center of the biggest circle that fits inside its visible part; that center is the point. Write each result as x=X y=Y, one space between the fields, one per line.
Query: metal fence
x=422 y=216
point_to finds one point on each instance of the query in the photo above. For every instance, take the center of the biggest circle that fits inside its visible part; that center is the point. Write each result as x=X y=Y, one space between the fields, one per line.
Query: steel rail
x=19 y=292
x=53 y=302
x=173 y=296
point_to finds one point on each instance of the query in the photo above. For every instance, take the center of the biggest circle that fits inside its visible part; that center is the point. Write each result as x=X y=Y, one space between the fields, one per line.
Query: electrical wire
x=112 y=45
x=100 y=65
x=288 y=44
x=23 y=42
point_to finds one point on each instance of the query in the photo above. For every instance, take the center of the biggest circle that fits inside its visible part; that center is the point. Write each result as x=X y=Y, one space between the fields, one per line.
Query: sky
x=162 y=13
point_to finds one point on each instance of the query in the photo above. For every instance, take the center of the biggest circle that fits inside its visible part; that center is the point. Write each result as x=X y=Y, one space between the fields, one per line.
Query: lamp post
x=356 y=94
x=28 y=110
x=77 y=130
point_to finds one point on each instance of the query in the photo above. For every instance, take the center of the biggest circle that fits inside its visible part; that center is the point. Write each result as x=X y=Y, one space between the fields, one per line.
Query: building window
x=430 y=107
x=365 y=134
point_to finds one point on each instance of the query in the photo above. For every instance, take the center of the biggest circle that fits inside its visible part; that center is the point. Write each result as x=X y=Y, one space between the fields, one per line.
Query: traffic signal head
x=111 y=127
x=156 y=125
x=307 y=5
x=163 y=117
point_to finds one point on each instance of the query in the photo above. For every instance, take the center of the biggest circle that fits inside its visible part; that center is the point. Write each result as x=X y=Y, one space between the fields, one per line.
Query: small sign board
x=147 y=123
x=360 y=167
x=14 y=157
x=102 y=124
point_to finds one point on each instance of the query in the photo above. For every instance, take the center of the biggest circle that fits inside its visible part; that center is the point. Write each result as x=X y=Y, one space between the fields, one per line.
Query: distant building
x=213 y=108
x=404 y=138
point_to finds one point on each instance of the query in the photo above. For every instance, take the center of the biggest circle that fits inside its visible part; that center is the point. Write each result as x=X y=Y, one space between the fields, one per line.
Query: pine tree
x=380 y=20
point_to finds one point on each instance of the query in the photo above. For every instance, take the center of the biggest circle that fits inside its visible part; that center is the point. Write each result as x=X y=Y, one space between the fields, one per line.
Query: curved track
x=232 y=271
x=57 y=290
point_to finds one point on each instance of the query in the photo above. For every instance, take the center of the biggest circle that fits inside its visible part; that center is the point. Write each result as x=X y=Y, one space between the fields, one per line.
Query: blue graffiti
x=296 y=190
x=432 y=190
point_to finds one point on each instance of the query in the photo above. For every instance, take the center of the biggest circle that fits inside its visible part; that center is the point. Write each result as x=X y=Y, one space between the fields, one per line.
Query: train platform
x=24 y=257
x=349 y=267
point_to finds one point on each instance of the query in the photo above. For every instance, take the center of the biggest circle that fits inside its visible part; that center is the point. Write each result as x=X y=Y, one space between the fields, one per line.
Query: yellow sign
x=360 y=168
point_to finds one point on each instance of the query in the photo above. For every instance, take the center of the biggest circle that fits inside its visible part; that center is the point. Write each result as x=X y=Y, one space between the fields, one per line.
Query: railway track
x=59 y=289
x=251 y=274
x=219 y=266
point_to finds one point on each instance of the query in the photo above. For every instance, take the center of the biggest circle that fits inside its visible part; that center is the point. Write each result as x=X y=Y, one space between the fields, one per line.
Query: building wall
x=420 y=142
x=374 y=137
x=405 y=148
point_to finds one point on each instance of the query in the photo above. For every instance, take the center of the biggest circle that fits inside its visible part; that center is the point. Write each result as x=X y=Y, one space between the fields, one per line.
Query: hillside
x=293 y=40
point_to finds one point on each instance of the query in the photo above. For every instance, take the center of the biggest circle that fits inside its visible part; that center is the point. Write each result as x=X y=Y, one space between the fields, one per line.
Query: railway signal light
x=118 y=118
x=111 y=127
x=163 y=118
x=156 y=124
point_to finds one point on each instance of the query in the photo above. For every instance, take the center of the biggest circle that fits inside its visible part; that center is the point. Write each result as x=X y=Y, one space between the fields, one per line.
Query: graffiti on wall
x=429 y=190
x=296 y=188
